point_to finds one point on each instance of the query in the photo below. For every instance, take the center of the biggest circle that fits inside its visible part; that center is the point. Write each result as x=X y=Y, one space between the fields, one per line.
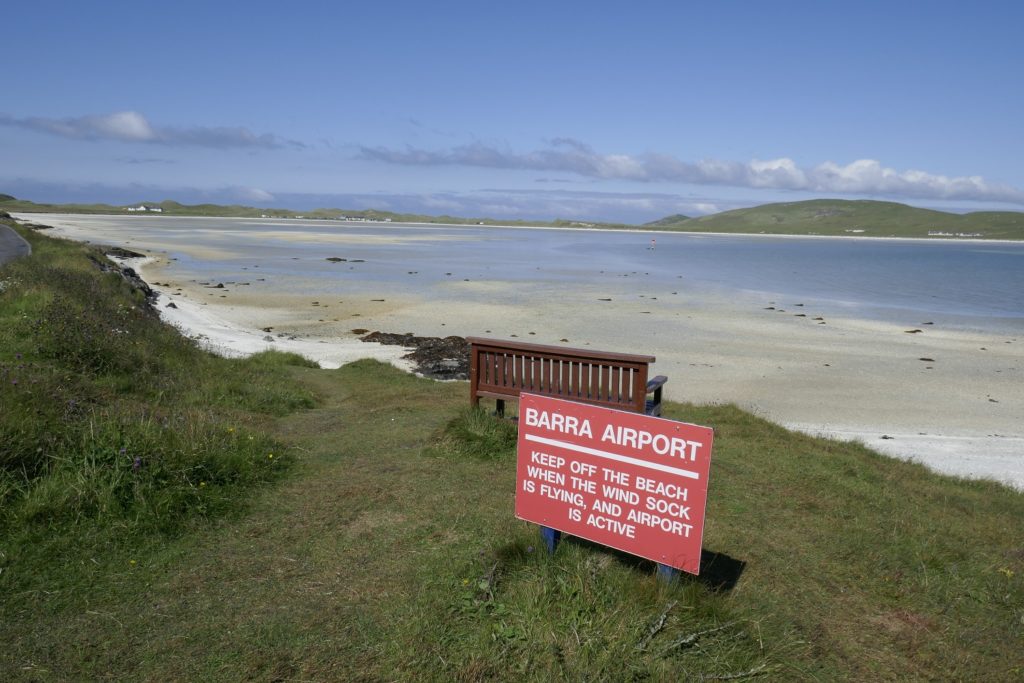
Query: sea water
x=954 y=283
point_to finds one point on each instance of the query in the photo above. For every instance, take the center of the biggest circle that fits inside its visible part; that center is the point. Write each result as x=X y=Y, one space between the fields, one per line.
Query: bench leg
x=499 y=407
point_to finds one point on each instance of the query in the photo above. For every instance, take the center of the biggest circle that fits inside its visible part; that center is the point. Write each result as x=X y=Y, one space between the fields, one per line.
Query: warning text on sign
x=629 y=481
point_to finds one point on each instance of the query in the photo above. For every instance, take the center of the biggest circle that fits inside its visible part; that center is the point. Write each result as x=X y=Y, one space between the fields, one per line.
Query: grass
x=861 y=218
x=387 y=550
x=173 y=208
x=112 y=426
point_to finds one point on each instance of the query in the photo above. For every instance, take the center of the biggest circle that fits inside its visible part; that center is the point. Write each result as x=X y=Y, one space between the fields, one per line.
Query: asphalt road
x=12 y=246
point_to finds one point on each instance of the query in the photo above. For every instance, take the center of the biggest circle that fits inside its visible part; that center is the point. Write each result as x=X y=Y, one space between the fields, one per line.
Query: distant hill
x=863 y=218
x=855 y=218
x=667 y=221
x=173 y=208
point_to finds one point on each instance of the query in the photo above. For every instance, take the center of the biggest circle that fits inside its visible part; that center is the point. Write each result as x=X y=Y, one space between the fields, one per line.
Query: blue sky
x=614 y=111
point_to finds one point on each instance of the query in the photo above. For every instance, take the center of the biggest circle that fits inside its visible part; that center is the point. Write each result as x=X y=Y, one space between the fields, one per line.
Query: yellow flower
x=131 y=562
x=231 y=430
x=202 y=484
x=1006 y=571
x=271 y=456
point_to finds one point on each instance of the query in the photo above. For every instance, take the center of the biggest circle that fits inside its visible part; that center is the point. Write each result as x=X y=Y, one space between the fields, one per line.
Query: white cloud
x=131 y=126
x=252 y=194
x=860 y=177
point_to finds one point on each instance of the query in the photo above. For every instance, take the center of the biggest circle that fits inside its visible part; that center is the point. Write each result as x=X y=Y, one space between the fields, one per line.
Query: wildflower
x=270 y=457
x=202 y=484
x=136 y=464
x=1006 y=571
x=465 y=582
x=231 y=430
x=131 y=562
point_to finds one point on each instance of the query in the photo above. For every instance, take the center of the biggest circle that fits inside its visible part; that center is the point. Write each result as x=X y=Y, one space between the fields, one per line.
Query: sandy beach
x=951 y=399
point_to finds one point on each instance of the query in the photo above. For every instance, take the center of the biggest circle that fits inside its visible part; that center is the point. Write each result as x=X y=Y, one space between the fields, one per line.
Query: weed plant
x=473 y=433
x=113 y=426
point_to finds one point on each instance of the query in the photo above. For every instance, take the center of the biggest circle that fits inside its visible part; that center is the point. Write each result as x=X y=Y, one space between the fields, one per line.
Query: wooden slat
x=615 y=388
x=615 y=380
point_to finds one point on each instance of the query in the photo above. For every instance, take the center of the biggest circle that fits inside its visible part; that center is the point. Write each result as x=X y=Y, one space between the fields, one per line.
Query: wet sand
x=950 y=399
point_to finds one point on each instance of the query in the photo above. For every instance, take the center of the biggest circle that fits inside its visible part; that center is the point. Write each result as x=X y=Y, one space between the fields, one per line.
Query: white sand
x=235 y=332
x=962 y=413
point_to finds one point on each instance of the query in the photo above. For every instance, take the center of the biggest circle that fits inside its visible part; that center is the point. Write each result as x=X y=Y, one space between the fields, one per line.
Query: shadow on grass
x=719 y=573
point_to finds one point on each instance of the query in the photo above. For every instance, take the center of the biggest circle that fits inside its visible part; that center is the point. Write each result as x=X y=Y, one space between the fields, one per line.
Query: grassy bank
x=115 y=430
x=387 y=549
x=853 y=218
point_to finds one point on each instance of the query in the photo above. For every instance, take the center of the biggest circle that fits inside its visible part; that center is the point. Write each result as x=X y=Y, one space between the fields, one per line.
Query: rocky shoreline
x=443 y=358
x=439 y=358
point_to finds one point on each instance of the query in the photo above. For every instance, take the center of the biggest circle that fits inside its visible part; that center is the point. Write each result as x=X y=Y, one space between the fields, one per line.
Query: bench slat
x=502 y=370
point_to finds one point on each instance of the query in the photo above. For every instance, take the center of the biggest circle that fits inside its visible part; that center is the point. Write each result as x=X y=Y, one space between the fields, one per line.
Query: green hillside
x=861 y=217
x=667 y=221
x=172 y=208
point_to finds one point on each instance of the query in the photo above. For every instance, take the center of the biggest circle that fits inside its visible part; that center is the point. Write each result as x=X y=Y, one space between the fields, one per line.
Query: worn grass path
x=304 y=585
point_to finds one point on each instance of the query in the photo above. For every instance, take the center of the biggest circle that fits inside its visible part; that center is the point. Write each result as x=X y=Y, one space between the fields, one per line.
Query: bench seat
x=501 y=370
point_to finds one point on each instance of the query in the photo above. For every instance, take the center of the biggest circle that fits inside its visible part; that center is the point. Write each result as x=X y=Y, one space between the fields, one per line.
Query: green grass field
x=861 y=218
x=379 y=542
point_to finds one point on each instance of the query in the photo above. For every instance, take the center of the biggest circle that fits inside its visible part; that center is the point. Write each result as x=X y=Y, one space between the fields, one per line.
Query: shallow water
x=955 y=284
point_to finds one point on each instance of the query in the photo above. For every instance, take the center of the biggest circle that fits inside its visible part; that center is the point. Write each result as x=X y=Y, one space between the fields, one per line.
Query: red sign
x=629 y=481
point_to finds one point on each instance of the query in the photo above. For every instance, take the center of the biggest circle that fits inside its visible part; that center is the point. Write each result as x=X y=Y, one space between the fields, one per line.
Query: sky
x=622 y=112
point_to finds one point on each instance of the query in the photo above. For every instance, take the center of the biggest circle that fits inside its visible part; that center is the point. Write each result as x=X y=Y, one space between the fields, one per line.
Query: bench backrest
x=501 y=369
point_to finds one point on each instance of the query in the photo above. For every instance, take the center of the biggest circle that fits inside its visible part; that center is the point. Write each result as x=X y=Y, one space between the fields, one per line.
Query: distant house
x=143 y=207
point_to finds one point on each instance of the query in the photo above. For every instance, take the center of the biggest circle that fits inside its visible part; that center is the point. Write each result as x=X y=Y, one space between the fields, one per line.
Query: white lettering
x=667 y=490
x=556 y=422
x=666 y=524
x=661 y=444
x=613 y=525
x=550 y=476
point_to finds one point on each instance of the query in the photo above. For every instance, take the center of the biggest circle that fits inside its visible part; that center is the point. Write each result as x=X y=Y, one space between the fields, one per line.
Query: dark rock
x=130 y=276
x=120 y=252
x=434 y=357
x=171 y=305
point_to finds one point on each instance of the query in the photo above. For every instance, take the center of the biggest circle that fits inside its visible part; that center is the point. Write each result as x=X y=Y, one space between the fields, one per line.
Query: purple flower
x=136 y=464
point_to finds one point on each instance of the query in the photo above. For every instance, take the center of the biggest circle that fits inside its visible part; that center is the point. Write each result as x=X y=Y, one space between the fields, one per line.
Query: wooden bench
x=502 y=370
